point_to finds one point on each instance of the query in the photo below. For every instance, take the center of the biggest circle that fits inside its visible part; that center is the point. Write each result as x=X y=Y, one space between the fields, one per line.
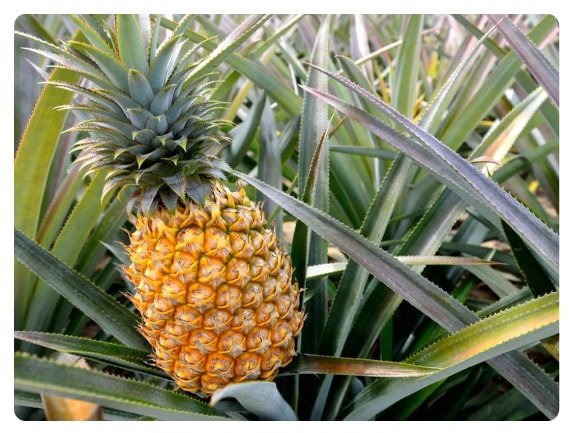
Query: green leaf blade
x=423 y=295
x=38 y=375
x=541 y=68
x=96 y=304
x=459 y=173
x=116 y=354
x=130 y=43
x=313 y=156
x=506 y=331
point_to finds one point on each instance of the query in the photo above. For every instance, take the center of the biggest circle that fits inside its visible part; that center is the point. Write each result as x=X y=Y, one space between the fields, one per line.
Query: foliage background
x=27 y=100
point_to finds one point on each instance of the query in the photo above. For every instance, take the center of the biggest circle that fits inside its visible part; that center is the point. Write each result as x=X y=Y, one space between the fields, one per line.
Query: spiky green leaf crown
x=150 y=121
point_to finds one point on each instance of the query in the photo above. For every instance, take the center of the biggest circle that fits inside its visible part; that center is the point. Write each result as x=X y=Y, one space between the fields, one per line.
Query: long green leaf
x=112 y=316
x=32 y=168
x=67 y=248
x=541 y=68
x=506 y=331
x=314 y=124
x=350 y=289
x=404 y=83
x=417 y=290
x=131 y=43
x=60 y=206
x=230 y=44
x=32 y=163
x=116 y=354
x=255 y=71
x=456 y=171
x=427 y=297
x=246 y=131
x=269 y=161
x=319 y=364
x=39 y=375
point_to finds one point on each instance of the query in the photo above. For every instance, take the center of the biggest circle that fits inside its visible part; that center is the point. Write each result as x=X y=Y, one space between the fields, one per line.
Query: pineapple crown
x=150 y=121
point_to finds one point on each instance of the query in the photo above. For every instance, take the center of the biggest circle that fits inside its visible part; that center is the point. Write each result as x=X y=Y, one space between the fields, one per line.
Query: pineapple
x=212 y=283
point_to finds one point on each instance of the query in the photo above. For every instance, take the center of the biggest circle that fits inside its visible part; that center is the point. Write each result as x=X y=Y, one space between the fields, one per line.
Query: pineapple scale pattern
x=214 y=290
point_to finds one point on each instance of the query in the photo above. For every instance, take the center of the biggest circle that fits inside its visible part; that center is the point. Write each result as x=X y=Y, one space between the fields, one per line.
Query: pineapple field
x=286 y=217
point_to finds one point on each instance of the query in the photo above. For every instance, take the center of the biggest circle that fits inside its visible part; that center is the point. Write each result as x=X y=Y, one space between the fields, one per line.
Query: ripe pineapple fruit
x=212 y=283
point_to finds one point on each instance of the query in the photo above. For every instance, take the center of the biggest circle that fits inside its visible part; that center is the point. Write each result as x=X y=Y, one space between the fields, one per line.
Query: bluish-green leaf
x=417 y=290
x=115 y=71
x=541 y=68
x=456 y=171
x=140 y=89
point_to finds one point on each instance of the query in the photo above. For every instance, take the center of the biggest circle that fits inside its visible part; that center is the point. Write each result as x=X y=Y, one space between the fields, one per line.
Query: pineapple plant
x=147 y=286
x=212 y=282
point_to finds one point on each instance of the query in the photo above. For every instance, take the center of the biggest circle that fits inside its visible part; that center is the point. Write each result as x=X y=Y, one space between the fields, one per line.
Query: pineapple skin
x=213 y=286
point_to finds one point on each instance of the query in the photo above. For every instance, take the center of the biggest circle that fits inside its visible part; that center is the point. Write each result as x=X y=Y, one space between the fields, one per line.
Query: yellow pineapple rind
x=213 y=286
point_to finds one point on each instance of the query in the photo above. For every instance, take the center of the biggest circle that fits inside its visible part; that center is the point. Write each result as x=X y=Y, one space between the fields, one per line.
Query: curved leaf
x=503 y=332
x=260 y=398
x=31 y=171
x=231 y=43
x=255 y=71
x=541 y=68
x=465 y=179
x=313 y=162
x=427 y=297
x=33 y=374
x=113 y=353
x=112 y=316
x=67 y=248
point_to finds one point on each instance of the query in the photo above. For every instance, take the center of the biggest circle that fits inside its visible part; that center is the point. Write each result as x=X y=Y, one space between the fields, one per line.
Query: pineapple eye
x=203 y=340
x=247 y=366
x=218 y=320
x=220 y=365
x=228 y=297
x=266 y=314
x=259 y=340
x=232 y=343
